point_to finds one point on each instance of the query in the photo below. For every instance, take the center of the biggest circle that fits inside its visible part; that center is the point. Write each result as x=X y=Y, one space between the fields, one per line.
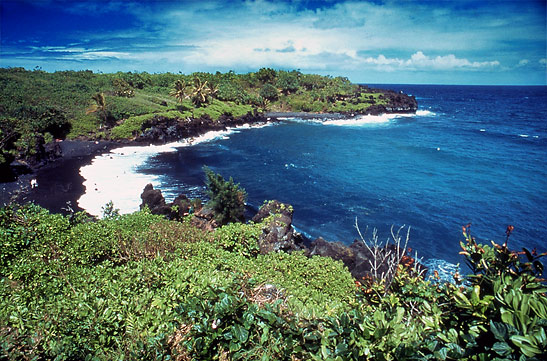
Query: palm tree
x=200 y=93
x=179 y=91
x=99 y=107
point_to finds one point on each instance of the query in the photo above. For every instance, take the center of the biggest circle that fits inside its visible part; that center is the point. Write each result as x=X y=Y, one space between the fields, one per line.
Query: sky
x=501 y=42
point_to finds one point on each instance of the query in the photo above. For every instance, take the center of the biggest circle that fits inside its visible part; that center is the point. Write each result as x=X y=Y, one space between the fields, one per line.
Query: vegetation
x=82 y=104
x=140 y=287
x=227 y=199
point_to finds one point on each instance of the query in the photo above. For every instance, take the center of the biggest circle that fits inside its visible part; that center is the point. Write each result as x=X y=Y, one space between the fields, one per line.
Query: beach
x=58 y=182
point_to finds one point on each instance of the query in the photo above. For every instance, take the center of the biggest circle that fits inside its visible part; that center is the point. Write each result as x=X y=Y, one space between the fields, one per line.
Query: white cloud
x=340 y=36
x=447 y=62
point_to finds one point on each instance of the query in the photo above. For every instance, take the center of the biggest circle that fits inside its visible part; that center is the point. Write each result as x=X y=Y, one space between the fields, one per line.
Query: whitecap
x=363 y=120
x=425 y=113
x=482 y=130
x=524 y=135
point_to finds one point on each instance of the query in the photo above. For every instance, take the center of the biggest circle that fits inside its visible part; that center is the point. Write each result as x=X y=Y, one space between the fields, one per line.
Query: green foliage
x=227 y=199
x=239 y=238
x=26 y=227
x=504 y=311
x=288 y=81
x=232 y=91
x=140 y=287
x=266 y=75
x=76 y=104
x=179 y=90
x=99 y=107
x=201 y=92
x=268 y=91
x=122 y=88
x=226 y=321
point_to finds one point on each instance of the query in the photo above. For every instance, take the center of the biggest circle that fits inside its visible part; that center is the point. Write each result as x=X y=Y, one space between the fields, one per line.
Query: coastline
x=58 y=182
x=61 y=180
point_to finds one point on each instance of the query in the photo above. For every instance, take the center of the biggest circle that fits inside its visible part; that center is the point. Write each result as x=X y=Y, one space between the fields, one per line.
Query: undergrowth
x=141 y=287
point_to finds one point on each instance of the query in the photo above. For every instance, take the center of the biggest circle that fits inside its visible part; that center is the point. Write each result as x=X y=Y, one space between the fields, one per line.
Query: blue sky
x=420 y=42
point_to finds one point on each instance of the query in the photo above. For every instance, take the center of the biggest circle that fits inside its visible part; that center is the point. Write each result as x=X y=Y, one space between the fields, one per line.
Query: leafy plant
x=227 y=199
x=179 y=90
x=99 y=107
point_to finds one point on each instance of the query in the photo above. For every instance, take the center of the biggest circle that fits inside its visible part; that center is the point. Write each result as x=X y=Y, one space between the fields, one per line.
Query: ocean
x=471 y=154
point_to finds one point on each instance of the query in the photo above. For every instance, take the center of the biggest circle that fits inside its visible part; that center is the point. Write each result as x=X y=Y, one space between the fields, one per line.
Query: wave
x=114 y=176
x=425 y=113
x=365 y=119
x=377 y=119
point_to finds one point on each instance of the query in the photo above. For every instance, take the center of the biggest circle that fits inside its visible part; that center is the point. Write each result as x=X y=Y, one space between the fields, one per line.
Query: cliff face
x=161 y=130
x=397 y=102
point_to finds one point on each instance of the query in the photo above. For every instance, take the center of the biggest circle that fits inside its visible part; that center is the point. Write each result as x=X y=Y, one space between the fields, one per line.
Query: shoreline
x=60 y=181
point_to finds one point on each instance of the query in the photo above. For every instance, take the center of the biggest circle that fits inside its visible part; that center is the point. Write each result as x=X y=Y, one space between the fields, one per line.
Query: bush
x=227 y=199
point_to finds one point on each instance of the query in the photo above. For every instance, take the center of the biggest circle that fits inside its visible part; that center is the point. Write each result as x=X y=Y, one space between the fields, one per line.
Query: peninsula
x=39 y=109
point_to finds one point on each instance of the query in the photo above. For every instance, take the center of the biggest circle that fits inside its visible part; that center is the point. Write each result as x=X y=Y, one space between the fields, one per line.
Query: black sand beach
x=58 y=182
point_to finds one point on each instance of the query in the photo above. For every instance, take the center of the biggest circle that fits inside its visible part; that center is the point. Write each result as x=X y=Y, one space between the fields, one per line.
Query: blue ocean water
x=473 y=154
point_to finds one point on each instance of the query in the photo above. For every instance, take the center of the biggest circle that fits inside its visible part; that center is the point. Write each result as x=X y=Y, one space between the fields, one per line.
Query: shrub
x=239 y=238
x=227 y=199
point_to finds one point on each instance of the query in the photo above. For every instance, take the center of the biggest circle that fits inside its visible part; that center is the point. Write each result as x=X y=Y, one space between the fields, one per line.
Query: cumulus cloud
x=354 y=36
x=420 y=61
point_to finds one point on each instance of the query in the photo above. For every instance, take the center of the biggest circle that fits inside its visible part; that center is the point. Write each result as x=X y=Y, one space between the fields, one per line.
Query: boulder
x=334 y=250
x=277 y=232
x=357 y=257
x=154 y=200
x=205 y=219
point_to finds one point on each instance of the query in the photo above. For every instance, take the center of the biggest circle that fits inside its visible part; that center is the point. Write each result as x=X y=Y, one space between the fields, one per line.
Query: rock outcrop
x=397 y=102
x=154 y=200
x=161 y=129
x=277 y=232
x=205 y=219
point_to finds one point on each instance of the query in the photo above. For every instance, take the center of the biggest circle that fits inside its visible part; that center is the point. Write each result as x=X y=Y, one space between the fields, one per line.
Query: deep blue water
x=479 y=156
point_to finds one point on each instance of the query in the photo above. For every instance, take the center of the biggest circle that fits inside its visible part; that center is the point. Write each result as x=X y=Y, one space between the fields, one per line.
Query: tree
x=179 y=90
x=201 y=92
x=227 y=199
x=99 y=107
x=123 y=89
x=266 y=75
x=288 y=82
x=268 y=91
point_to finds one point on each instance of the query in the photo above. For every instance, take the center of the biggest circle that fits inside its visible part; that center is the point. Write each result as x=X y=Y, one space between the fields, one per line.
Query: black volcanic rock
x=277 y=232
x=154 y=200
x=162 y=130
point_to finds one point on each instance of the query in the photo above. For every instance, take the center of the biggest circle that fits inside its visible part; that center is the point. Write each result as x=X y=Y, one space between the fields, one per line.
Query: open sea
x=471 y=154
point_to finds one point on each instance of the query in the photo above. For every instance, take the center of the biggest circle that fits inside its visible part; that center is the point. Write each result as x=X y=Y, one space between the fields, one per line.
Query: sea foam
x=113 y=177
x=376 y=119
x=363 y=120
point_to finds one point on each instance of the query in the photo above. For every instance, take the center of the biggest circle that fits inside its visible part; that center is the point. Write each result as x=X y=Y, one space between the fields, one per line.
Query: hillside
x=140 y=287
x=37 y=107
